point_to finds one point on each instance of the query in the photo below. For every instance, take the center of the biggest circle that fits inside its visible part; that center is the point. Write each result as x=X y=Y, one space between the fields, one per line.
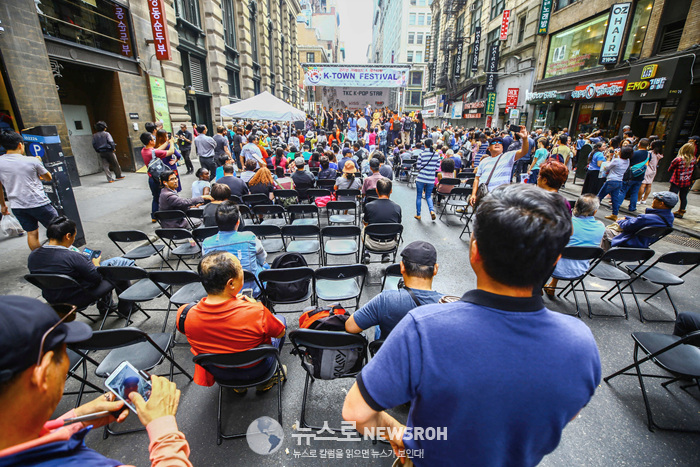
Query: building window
x=99 y=24
x=412 y=19
x=497 y=7
x=416 y=78
x=421 y=2
x=460 y=25
x=254 y=32
x=229 y=23
x=188 y=10
x=522 y=21
x=310 y=57
x=559 y=4
x=470 y=59
x=476 y=18
x=409 y=56
x=576 y=48
x=234 y=83
x=430 y=21
x=492 y=38
x=638 y=29
x=419 y=38
x=194 y=71
x=419 y=57
x=413 y=2
x=284 y=60
x=414 y=98
x=421 y=19
x=411 y=37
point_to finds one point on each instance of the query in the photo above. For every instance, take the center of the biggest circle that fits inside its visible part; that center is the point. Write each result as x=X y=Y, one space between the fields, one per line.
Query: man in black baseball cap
x=33 y=369
x=418 y=266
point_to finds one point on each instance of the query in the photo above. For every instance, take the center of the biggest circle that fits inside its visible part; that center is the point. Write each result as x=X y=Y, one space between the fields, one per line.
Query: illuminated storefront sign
x=598 y=90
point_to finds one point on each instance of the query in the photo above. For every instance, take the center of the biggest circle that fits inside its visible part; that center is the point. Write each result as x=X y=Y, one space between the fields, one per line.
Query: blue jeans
x=29 y=218
x=632 y=189
x=428 y=189
x=534 y=174
x=155 y=192
x=614 y=189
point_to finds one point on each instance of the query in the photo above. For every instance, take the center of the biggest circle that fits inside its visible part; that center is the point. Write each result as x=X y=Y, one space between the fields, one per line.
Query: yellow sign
x=649 y=71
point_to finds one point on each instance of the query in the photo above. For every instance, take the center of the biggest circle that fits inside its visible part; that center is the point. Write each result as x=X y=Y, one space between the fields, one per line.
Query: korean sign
x=545 y=12
x=613 y=34
x=596 y=90
x=512 y=98
x=122 y=25
x=159 y=25
x=504 y=25
x=491 y=103
x=160 y=102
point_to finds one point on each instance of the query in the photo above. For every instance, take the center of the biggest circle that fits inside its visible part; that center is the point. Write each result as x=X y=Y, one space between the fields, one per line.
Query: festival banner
x=477 y=44
x=492 y=68
x=365 y=77
x=354 y=98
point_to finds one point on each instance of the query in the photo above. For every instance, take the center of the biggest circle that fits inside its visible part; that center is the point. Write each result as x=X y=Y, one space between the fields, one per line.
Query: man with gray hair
x=587 y=232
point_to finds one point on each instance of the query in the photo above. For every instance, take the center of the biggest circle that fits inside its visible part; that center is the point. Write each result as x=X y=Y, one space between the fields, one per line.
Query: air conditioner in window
x=648 y=109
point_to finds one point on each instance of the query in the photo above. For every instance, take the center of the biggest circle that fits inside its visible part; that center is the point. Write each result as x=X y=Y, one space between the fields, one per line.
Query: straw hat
x=349 y=167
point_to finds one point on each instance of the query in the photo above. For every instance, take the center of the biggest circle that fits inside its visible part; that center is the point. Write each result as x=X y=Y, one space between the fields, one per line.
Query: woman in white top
x=613 y=184
x=655 y=155
x=201 y=186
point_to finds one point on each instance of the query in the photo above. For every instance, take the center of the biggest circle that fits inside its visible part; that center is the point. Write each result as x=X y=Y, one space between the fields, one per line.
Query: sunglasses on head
x=68 y=312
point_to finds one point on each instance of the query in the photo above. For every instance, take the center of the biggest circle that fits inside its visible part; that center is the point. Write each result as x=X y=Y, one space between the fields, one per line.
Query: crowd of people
x=367 y=150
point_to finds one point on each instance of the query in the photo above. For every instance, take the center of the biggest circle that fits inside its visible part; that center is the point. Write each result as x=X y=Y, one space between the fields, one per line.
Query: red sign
x=159 y=26
x=512 y=98
x=504 y=24
x=599 y=90
x=489 y=120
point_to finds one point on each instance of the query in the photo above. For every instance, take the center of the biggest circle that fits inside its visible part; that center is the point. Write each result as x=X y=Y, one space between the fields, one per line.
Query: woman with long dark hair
x=162 y=138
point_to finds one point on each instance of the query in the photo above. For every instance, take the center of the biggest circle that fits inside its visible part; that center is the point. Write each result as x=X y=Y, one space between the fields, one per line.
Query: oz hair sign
x=617 y=21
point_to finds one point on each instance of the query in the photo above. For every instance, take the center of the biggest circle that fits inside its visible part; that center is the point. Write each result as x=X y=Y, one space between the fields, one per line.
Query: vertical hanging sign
x=545 y=13
x=490 y=103
x=504 y=24
x=477 y=45
x=614 y=33
x=492 y=67
x=458 y=59
x=512 y=98
x=159 y=26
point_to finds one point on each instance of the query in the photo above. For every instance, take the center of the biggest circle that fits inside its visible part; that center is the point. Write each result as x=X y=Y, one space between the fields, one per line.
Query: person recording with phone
x=59 y=256
x=33 y=369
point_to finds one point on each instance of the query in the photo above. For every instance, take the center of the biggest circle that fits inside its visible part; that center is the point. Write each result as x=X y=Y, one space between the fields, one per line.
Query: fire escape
x=448 y=43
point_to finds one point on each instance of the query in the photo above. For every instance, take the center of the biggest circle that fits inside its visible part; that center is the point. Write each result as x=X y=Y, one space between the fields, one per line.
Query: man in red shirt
x=149 y=149
x=226 y=322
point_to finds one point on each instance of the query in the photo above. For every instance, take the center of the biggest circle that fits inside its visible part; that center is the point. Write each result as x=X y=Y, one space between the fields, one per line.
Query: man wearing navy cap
x=33 y=369
x=418 y=267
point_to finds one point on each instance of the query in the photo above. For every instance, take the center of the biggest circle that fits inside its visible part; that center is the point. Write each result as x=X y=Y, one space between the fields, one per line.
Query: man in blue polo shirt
x=493 y=378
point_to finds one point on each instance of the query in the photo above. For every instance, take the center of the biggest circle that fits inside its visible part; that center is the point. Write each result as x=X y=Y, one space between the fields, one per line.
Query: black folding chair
x=140 y=252
x=236 y=199
x=191 y=288
x=665 y=279
x=78 y=361
x=142 y=288
x=270 y=214
x=339 y=283
x=202 y=233
x=62 y=281
x=340 y=241
x=604 y=269
x=374 y=346
x=679 y=356
x=348 y=192
x=389 y=232
x=405 y=169
x=302 y=239
x=313 y=193
x=282 y=195
x=171 y=236
x=457 y=198
x=172 y=215
x=256 y=199
x=144 y=351
x=269 y=235
x=578 y=253
x=654 y=234
x=326 y=183
x=298 y=213
x=218 y=362
x=336 y=212
x=272 y=278
x=247 y=213
x=392 y=276
x=310 y=344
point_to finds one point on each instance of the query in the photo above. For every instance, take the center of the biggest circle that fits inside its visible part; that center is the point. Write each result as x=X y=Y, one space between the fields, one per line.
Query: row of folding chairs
x=625 y=268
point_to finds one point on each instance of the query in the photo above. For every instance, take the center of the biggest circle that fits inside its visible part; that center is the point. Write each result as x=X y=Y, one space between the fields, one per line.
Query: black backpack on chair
x=290 y=291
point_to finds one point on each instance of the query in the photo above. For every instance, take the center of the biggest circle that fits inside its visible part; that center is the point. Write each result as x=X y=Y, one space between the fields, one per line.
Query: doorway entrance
x=199 y=109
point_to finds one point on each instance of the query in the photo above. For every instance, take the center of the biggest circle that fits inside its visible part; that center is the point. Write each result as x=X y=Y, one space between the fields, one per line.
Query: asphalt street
x=611 y=430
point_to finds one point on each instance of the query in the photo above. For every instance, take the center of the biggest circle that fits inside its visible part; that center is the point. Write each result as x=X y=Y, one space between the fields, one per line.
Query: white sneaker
x=643 y=201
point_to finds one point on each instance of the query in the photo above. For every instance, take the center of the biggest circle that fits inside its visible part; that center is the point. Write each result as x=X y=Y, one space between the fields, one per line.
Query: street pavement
x=611 y=430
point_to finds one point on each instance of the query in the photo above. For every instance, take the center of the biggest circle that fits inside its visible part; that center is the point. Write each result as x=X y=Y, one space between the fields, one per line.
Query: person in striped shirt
x=497 y=169
x=428 y=163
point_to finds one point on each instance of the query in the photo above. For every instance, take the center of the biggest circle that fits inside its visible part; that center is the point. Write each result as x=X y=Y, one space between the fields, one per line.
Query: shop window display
x=638 y=29
x=577 y=48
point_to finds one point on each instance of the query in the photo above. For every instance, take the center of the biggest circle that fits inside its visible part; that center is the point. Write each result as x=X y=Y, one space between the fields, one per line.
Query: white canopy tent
x=263 y=106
